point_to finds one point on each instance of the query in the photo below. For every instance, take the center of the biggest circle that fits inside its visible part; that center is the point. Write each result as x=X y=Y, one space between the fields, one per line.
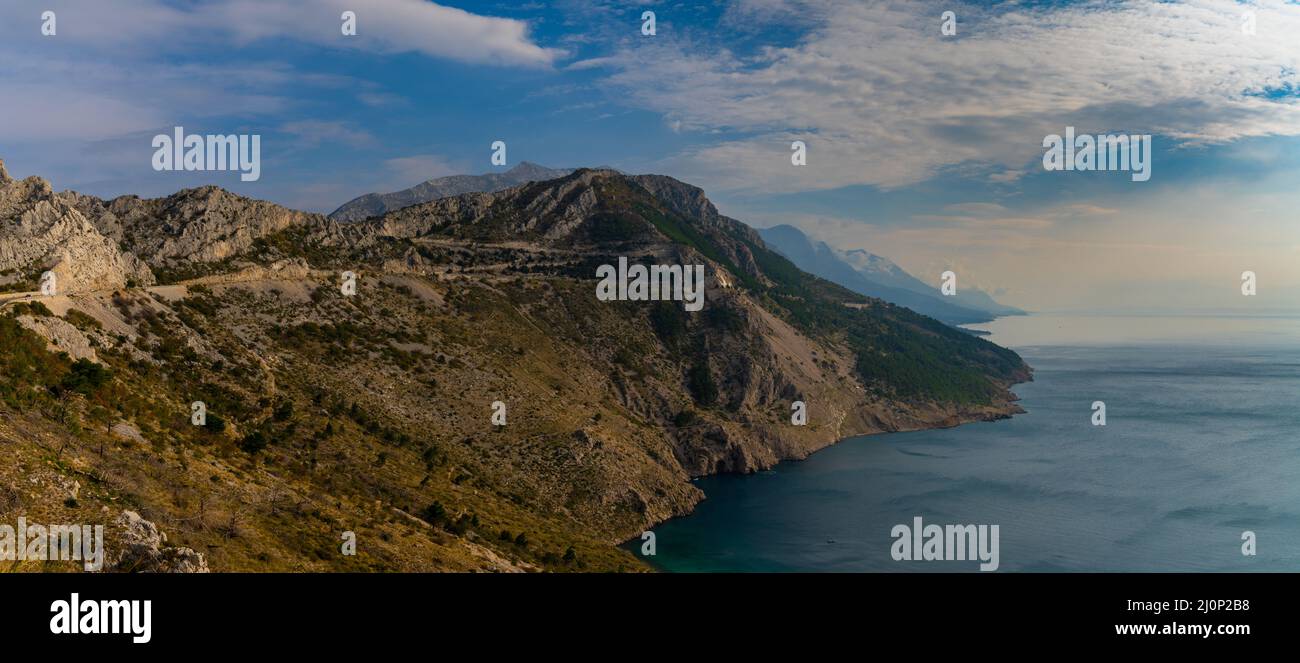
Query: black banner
x=934 y=612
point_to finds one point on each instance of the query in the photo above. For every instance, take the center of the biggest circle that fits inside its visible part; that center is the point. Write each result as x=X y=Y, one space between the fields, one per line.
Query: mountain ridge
x=877 y=276
x=376 y=204
x=375 y=406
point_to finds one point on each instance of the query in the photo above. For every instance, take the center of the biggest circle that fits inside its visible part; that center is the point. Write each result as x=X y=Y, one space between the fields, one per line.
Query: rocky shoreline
x=938 y=419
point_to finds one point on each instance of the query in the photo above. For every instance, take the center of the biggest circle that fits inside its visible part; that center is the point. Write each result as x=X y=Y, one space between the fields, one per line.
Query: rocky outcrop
x=40 y=231
x=143 y=549
x=62 y=336
x=294 y=269
x=207 y=224
x=542 y=212
x=127 y=431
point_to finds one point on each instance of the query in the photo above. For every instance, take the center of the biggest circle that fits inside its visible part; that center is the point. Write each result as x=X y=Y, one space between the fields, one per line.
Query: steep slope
x=821 y=260
x=371 y=411
x=599 y=215
x=376 y=204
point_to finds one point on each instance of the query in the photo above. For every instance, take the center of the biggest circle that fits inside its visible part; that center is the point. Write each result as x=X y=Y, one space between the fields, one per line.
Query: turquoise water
x=1202 y=443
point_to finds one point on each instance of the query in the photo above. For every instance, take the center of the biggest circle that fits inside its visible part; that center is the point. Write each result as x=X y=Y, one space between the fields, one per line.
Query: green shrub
x=253 y=442
x=700 y=381
x=35 y=309
x=435 y=514
x=215 y=424
x=81 y=320
x=84 y=377
x=685 y=418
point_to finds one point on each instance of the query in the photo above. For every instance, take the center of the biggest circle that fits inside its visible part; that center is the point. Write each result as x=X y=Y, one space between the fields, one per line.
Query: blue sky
x=923 y=147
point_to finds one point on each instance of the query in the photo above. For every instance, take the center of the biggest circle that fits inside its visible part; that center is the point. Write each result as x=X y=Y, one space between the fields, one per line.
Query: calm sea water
x=1202 y=443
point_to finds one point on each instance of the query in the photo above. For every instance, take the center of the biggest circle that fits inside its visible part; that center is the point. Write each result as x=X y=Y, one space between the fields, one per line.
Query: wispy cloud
x=882 y=98
x=313 y=133
x=383 y=26
x=387 y=26
x=115 y=73
x=114 y=58
x=417 y=168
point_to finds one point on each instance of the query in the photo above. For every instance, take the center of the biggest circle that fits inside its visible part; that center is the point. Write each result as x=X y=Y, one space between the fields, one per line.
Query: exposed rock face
x=579 y=210
x=280 y=270
x=377 y=204
x=687 y=200
x=144 y=550
x=40 y=231
x=61 y=335
x=206 y=224
x=127 y=431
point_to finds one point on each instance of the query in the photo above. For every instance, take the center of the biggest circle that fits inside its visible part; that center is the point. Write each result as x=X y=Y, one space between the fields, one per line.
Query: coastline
x=1068 y=494
x=863 y=423
x=1004 y=408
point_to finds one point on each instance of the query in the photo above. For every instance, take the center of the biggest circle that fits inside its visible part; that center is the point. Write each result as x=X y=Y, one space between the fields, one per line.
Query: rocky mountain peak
x=18 y=196
x=41 y=231
x=684 y=198
x=4 y=174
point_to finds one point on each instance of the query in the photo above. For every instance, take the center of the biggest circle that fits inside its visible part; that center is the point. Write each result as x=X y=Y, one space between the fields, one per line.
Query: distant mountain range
x=376 y=204
x=876 y=276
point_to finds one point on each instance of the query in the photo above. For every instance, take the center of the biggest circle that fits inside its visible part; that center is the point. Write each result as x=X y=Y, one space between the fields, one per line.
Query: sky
x=922 y=147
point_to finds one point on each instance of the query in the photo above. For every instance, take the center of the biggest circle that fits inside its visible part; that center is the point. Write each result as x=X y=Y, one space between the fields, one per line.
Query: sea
x=1198 y=463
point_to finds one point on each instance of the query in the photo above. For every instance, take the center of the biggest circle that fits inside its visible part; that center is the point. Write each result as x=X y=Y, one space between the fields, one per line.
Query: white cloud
x=383 y=26
x=387 y=26
x=312 y=133
x=68 y=95
x=58 y=111
x=128 y=69
x=114 y=59
x=591 y=63
x=881 y=98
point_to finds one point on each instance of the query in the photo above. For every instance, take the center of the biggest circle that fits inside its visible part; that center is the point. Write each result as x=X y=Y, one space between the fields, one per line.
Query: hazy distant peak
x=376 y=204
x=865 y=260
x=530 y=169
